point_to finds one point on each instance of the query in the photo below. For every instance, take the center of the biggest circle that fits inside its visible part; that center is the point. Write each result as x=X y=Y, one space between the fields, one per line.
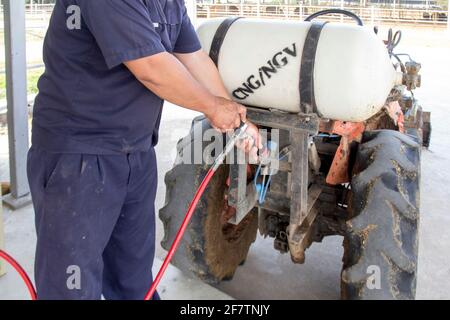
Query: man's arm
x=203 y=69
x=124 y=32
x=168 y=78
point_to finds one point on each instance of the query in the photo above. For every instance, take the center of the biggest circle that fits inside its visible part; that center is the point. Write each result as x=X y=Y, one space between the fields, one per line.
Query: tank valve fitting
x=412 y=78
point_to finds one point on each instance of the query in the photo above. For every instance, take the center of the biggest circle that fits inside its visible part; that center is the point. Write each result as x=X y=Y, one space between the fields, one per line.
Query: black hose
x=402 y=66
x=393 y=40
x=339 y=11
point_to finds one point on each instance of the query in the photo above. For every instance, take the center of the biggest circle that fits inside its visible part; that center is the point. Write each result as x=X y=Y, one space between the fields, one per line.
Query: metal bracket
x=300 y=195
x=303 y=197
x=299 y=232
x=308 y=123
x=299 y=176
x=241 y=196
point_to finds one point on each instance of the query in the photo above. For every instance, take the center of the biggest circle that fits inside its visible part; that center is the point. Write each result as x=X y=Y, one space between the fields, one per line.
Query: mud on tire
x=382 y=230
x=211 y=249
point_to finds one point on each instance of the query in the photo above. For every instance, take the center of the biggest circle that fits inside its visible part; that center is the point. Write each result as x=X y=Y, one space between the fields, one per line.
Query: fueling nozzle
x=237 y=135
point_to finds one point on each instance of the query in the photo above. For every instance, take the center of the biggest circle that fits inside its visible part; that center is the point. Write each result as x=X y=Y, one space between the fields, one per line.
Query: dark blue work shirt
x=88 y=101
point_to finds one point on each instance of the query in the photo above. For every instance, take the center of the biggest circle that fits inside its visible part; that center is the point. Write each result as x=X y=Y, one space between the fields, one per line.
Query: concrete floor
x=268 y=274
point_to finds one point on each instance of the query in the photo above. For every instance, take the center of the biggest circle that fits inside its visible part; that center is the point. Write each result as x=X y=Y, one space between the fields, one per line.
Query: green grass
x=32 y=78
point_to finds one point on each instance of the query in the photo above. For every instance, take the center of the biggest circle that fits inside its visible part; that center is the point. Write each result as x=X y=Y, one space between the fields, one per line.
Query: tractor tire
x=211 y=248
x=381 y=241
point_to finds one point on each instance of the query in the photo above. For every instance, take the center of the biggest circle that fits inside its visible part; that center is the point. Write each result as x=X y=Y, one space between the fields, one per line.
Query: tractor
x=324 y=175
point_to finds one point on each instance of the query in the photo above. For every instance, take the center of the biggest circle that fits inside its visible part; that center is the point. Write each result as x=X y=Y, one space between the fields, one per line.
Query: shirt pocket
x=173 y=11
x=166 y=20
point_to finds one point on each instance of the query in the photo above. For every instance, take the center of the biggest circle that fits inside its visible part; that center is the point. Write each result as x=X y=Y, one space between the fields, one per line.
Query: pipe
x=21 y=272
x=180 y=233
x=238 y=134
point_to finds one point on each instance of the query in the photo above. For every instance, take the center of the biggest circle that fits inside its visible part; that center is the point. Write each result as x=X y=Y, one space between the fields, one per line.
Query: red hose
x=180 y=234
x=21 y=272
x=166 y=262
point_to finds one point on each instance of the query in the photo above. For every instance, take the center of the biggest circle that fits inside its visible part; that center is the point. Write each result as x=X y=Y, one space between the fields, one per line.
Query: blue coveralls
x=92 y=166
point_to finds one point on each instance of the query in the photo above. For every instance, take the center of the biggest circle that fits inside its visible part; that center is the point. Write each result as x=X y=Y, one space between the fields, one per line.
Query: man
x=92 y=166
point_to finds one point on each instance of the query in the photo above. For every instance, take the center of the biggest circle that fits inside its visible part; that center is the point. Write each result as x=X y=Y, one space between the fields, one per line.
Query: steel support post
x=16 y=83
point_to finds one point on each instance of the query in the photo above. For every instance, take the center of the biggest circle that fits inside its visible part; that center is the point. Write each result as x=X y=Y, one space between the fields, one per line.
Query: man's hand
x=252 y=143
x=204 y=71
x=225 y=114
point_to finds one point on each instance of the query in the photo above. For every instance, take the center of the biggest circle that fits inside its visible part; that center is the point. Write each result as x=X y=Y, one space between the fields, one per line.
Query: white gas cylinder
x=260 y=63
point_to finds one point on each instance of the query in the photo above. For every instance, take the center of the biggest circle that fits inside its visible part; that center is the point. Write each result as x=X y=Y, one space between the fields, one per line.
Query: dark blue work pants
x=95 y=223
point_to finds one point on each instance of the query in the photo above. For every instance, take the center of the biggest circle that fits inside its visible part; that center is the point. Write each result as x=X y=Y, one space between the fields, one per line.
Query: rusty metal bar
x=282 y=120
x=299 y=176
x=299 y=234
x=241 y=196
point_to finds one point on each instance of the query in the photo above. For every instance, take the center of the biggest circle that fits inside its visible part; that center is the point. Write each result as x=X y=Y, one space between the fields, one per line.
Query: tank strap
x=219 y=37
x=306 y=85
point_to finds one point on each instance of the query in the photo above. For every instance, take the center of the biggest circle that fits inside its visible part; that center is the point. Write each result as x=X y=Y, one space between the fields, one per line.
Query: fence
x=372 y=15
x=37 y=17
x=38 y=14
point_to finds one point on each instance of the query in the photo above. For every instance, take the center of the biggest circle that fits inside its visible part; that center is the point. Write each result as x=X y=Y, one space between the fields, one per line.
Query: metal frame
x=301 y=195
x=243 y=197
x=16 y=82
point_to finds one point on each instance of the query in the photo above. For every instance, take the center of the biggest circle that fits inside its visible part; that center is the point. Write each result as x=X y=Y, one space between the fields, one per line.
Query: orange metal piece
x=395 y=112
x=349 y=132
